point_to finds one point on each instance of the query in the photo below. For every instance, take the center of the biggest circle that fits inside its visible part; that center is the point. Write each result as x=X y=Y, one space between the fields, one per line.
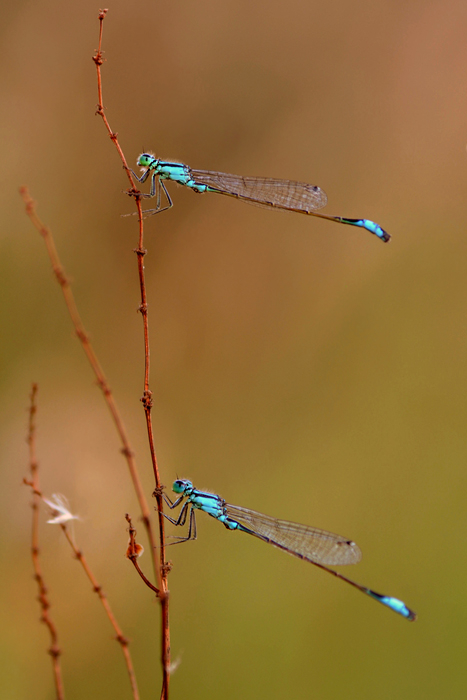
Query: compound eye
x=179 y=486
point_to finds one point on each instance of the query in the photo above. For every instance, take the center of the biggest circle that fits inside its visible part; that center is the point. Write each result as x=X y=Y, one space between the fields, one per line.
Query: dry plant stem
x=98 y=60
x=94 y=362
x=54 y=649
x=133 y=553
x=160 y=570
x=121 y=639
x=147 y=396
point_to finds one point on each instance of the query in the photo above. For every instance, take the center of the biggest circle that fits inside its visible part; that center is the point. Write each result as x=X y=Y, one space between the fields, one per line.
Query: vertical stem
x=54 y=649
x=147 y=394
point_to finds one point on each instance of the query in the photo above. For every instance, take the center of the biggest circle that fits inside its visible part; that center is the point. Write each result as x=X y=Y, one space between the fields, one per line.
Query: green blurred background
x=300 y=368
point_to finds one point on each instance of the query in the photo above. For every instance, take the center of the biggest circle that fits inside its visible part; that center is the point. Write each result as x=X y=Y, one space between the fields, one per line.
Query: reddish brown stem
x=119 y=636
x=54 y=649
x=133 y=552
x=94 y=362
x=147 y=394
x=161 y=568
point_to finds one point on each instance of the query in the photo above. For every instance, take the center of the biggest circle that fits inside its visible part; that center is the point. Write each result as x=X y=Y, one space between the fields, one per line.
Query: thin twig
x=109 y=398
x=94 y=362
x=134 y=551
x=119 y=636
x=61 y=517
x=147 y=394
x=54 y=649
x=161 y=572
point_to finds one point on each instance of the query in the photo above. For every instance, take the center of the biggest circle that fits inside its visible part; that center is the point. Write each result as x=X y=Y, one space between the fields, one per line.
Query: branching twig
x=160 y=571
x=54 y=649
x=94 y=362
x=134 y=551
x=147 y=394
x=61 y=517
x=161 y=568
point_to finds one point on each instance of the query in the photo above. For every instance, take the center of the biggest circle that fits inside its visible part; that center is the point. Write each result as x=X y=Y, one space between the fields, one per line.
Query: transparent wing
x=285 y=194
x=305 y=542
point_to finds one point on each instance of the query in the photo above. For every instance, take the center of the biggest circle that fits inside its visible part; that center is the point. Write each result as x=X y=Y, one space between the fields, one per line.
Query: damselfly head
x=145 y=160
x=182 y=485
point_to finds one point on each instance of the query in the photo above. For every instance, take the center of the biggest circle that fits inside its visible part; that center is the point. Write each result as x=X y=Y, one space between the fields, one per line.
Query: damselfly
x=318 y=547
x=287 y=195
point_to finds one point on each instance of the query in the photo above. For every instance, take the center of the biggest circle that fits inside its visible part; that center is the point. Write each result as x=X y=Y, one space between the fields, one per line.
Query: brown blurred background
x=300 y=368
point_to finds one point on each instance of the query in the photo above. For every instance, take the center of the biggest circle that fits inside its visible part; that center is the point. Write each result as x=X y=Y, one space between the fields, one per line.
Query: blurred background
x=299 y=368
